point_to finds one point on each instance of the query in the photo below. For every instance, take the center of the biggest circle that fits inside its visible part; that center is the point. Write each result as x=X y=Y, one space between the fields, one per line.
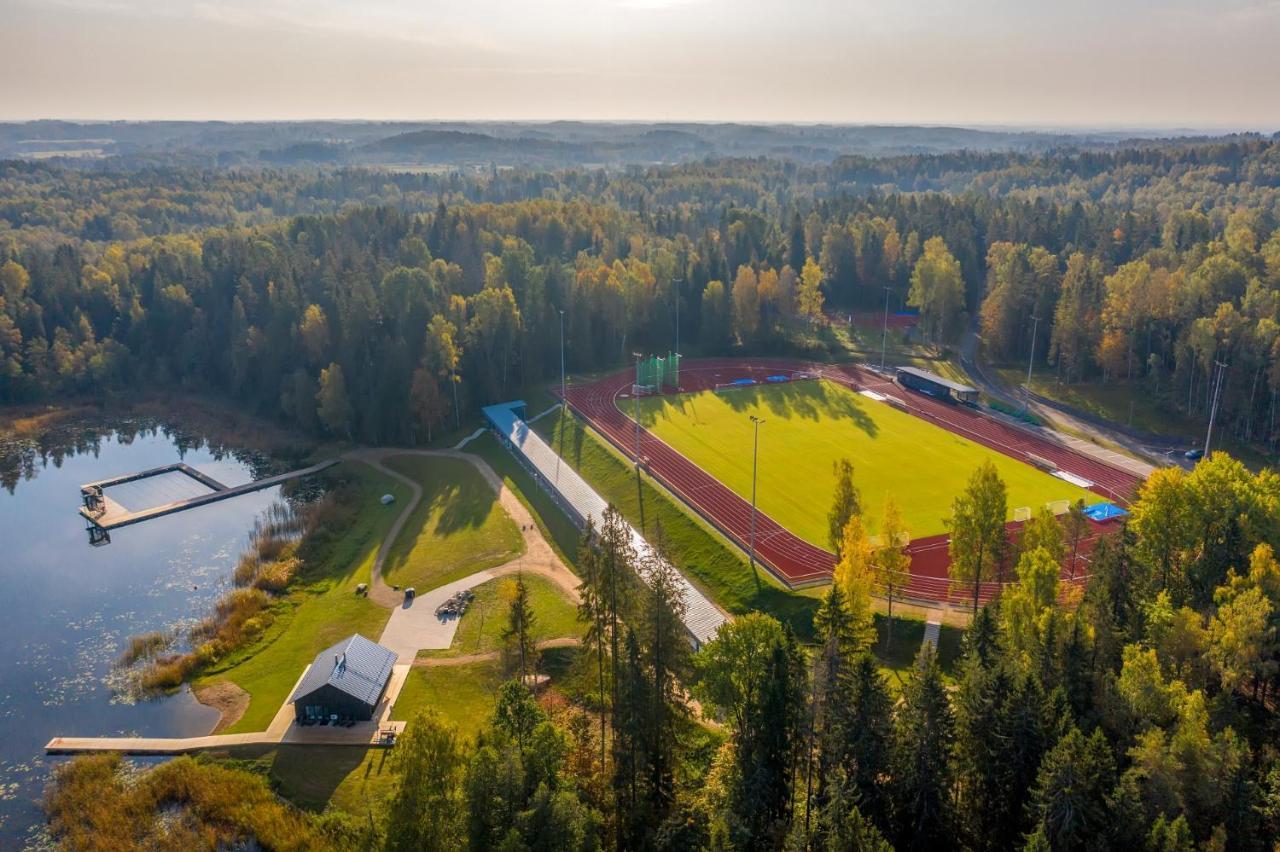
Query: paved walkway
x=414 y=625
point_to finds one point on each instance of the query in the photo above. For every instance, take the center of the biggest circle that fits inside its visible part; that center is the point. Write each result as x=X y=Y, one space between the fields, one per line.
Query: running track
x=797 y=562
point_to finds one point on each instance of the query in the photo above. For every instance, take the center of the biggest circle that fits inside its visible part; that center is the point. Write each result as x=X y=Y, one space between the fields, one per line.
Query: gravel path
x=414 y=627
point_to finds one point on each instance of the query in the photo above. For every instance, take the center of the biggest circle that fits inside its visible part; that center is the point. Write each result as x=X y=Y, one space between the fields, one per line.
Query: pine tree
x=594 y=611
x=767 y=747
x=922 y=770
x=842 y=827
x=666 y=658
x=632 y=750
x=1070 y=798
x=520 y=649
x=864 y=734
x=797 y=251
x=1000 y=738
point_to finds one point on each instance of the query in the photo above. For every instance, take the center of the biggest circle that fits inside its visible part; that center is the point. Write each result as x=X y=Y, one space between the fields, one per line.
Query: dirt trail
x=464 y=659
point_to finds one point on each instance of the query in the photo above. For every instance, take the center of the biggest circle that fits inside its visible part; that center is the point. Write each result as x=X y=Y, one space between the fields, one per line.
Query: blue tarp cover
x=778 y=378
x=1104 y=512
x=743 y=382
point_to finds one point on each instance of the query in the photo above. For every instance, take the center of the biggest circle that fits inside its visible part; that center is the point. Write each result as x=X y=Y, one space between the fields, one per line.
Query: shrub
x=144 y=647
x=99 y=802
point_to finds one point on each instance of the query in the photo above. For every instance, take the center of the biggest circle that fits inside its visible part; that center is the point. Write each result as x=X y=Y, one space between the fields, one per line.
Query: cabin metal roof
x=361 y=670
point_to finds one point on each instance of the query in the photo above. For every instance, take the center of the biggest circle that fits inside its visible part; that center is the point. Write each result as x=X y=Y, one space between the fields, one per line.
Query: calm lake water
x=67 y=609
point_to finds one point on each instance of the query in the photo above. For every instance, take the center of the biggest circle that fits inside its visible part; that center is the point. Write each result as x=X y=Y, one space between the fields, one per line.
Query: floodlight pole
x=1031 y=360
x=678 y=282
x=1213 y=410
x=636 y=408
x=884 y=337
x=564 y=399
x=755 y=456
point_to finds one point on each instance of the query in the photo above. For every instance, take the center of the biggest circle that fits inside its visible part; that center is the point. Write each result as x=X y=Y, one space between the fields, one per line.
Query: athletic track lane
x=793 y=560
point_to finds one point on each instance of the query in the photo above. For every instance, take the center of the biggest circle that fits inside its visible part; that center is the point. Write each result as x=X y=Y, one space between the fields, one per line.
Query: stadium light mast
x=1031 y=359
x=755 y=457
x=635 y=395
x=1213 y=410
x=884 y=337
x=677 y=281
x=564 y=400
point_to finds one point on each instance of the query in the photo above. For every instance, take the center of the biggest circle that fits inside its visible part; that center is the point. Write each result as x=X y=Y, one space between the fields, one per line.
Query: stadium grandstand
x=936 y=386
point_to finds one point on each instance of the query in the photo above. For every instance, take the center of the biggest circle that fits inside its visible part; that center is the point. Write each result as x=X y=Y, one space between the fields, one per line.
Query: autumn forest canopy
x=358 y=301
x=384 y=306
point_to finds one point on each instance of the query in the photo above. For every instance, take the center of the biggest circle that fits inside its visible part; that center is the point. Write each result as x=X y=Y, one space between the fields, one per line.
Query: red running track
x=793 y=560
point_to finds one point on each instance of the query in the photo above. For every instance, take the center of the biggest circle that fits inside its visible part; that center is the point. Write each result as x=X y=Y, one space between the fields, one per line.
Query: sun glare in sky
x=1128 y=63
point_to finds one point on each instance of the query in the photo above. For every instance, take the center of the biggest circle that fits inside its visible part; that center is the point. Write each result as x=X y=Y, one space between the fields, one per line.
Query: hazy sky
x=1168 y=63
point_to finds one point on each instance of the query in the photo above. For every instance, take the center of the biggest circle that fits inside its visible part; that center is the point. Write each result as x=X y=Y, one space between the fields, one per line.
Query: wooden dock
x=104 y=514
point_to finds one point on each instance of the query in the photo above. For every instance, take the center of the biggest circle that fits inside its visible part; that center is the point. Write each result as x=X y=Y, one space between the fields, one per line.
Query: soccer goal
x=1022 y=513
x=1059 y=507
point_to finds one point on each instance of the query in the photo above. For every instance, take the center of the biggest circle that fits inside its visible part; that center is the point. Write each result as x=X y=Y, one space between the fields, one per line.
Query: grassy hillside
x=456 y=529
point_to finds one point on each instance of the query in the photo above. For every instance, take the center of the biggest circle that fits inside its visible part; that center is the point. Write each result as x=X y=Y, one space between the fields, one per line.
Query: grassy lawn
x=321 y=608
x=808 y=426
x=697 y=551
x=463 y=695
x=457 y=528
x=353 y=779
x=480 y=629
x=555 y=525
x=897 y=659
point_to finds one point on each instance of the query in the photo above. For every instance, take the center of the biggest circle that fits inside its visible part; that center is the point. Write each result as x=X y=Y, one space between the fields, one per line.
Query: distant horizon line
x=1029 y=127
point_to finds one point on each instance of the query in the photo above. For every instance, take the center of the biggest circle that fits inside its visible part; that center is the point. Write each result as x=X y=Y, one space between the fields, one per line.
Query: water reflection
x=67 y=610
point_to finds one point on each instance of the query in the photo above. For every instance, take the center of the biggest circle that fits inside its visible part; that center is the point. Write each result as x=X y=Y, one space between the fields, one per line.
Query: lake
x=68 y=609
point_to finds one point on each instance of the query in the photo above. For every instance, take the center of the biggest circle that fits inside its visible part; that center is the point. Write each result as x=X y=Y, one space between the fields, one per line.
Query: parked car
x=1193 y=455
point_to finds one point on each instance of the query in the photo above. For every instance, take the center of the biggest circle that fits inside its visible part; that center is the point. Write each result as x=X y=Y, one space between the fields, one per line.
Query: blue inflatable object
x=1100 y=512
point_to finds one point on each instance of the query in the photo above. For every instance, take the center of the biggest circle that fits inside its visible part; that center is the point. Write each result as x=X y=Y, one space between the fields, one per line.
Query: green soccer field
x=811 y=424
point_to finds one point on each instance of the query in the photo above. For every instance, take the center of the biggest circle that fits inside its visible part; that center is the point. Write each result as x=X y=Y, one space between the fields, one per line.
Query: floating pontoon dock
x=104 y=514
